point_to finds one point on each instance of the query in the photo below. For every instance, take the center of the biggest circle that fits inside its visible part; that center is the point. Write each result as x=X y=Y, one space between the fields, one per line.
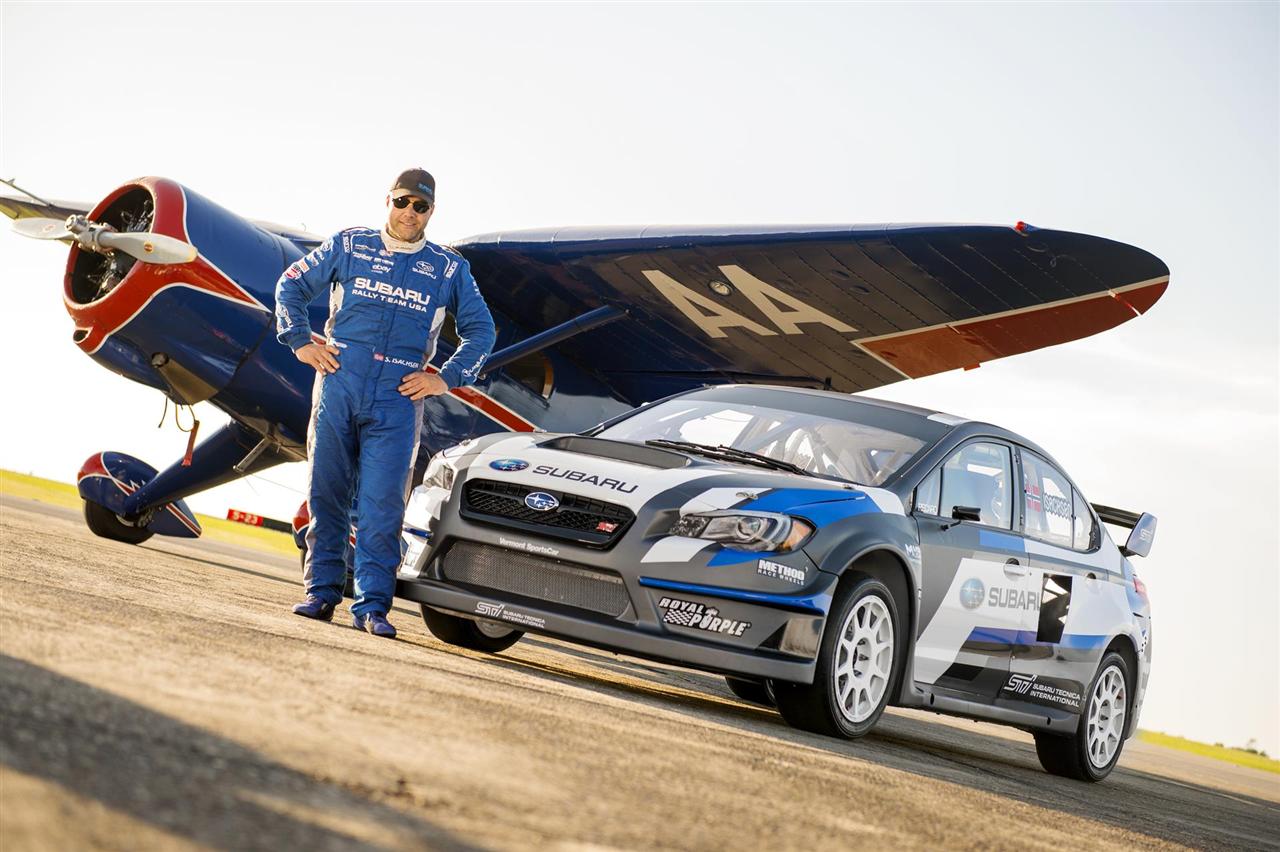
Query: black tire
x=817 y=707
x=1068 y=755
x=465 y=633
x=755 y=691
x=107 y=524
x=348 y=585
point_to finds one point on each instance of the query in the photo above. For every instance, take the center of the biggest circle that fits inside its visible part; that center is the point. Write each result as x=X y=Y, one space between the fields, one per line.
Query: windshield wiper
x=772 y=462
x=730 y=454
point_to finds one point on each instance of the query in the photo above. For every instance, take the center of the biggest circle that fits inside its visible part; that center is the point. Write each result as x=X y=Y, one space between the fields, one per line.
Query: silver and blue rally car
x=828 y=554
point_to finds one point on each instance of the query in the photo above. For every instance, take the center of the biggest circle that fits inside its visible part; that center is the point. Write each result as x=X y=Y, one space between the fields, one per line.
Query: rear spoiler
x=1142 y=524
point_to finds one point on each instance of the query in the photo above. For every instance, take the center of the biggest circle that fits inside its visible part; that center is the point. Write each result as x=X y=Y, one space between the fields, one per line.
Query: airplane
x=169 y=289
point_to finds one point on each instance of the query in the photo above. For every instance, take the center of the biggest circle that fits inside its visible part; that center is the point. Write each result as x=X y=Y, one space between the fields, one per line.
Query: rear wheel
x=107 y=524
x=1092 y=751
x=755 y=691
x=857 y=665
x=481 y=635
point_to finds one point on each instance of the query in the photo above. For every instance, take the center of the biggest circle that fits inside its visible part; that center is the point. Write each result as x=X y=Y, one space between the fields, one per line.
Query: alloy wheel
x=864 y=659
x=1107 y=705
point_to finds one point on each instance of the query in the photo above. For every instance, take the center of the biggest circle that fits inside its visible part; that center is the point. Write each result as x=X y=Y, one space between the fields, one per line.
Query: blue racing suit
x=385 y=313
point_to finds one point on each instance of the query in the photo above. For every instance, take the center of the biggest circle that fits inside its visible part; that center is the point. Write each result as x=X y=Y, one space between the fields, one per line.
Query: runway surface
x=163 y=696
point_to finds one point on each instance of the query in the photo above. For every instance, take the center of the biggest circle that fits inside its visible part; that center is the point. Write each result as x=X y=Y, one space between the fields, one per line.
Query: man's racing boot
x=314 y=607
x=375 y=623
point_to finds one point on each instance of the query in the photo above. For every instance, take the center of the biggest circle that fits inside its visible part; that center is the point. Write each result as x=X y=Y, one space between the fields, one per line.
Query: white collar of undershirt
x=401 y=246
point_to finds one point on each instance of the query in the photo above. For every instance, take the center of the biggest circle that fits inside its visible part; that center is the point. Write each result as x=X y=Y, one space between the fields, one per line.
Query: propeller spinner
x=143 y=245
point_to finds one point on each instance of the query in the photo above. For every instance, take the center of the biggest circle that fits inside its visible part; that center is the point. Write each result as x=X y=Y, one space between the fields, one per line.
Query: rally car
x=828 y=554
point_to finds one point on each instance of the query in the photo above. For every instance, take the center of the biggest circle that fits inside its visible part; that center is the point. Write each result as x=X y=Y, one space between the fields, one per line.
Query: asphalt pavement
x=163 y=696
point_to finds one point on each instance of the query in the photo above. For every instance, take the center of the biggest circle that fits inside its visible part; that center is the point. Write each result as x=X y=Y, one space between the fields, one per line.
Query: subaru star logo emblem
x=509 y=464
x=541 y=501
x=972 y=593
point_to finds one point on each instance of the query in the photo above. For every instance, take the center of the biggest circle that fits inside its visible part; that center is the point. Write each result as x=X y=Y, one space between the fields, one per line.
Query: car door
x=1064 y=635
x=973 y=572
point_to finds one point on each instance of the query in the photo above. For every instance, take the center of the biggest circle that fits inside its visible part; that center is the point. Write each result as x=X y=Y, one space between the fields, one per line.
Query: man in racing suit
x=389 y=291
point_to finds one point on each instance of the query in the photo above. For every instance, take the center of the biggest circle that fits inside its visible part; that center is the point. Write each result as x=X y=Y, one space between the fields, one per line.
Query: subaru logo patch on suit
x=541 y=501
x=508 y=464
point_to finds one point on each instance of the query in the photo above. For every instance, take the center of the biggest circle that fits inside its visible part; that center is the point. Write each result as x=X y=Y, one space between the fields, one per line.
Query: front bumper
x=673 y=612
x=623 y=640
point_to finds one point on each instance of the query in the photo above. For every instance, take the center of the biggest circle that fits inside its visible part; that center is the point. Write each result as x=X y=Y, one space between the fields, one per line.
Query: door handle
x=1014 y=568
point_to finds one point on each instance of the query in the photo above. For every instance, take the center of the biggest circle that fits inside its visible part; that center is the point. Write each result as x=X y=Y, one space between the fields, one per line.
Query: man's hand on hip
x=422 y=384
x=321 y=356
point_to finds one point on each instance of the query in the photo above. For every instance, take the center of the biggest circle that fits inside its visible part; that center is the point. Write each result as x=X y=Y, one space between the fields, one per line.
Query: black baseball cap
x=417 y=182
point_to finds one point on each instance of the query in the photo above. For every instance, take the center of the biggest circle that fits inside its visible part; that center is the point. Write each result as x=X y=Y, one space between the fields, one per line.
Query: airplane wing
x=850 y=307
x=16 y=207
x=26 y=208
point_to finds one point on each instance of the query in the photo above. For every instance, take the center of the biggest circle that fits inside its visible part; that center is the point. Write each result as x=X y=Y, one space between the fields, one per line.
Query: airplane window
x=1047 y=498
x=978 y=475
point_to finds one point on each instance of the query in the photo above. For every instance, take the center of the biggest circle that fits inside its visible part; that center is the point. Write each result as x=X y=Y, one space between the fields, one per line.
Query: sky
x=1151 y=124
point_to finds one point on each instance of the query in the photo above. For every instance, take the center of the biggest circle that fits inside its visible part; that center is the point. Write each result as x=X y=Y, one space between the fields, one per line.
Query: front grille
x=536 y=577
x=579 y=519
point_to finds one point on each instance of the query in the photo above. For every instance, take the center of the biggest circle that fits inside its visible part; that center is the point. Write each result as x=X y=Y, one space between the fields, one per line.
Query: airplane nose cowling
x=185 y=328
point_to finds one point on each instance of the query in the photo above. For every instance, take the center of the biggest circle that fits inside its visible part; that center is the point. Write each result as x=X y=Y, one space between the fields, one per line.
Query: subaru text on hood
x=828 y=554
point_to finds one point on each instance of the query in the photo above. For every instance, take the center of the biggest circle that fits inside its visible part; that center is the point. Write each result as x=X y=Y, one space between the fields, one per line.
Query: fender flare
x=888 y=561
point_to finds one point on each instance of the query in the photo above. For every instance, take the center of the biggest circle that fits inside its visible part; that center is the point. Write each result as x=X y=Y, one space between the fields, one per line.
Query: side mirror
x=1144 y=533
x=963 y=513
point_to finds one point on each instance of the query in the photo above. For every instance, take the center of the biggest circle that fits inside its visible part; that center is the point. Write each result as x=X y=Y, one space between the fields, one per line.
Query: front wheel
x=858 y=663
x=488 y=636
x=107 y=524
x=1092 y=751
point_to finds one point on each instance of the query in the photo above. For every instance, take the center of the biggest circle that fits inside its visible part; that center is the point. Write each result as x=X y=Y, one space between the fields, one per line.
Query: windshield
x=817 y=444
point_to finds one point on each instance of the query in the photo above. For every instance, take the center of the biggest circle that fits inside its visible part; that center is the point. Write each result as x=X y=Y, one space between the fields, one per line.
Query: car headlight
x=439 y=473
x=745 y=530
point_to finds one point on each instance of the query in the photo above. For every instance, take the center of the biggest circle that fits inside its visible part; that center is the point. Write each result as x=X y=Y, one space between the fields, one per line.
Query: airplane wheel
x=107 y=524
x=485 y=635
x=757 y=692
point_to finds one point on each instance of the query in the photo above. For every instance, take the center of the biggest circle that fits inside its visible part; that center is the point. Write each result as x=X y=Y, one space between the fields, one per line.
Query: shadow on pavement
x=178 y=778
x=1137 y=801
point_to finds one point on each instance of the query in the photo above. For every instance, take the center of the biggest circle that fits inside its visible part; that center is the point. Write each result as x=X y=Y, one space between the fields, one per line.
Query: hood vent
x=617 y=450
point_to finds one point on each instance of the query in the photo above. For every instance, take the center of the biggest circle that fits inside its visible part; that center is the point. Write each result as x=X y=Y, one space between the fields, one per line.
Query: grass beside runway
x=215 y=529
x=1238 y=756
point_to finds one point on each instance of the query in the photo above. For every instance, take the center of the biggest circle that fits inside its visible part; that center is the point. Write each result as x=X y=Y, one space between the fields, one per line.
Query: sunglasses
x=418 y=206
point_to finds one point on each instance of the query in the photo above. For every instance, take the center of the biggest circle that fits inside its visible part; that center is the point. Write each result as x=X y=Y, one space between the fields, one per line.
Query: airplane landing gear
x=107 y=524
